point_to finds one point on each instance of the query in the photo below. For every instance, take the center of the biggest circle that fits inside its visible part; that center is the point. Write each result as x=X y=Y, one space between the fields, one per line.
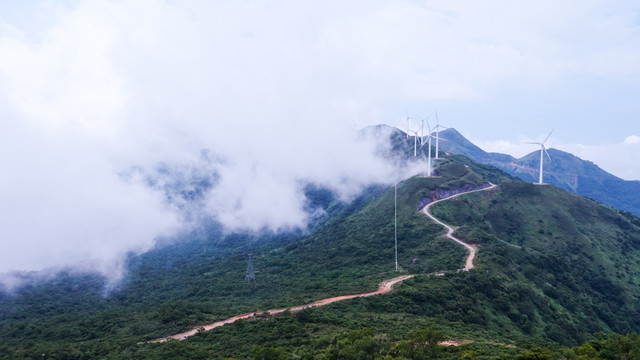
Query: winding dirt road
x=384 y=288
x=472 y=250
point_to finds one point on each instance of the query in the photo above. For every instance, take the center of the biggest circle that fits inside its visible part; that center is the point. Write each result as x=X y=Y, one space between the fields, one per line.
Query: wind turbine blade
x=408 y=125
x=546 y=152
x=429 y=136
x=531 y=142
x=547 y=138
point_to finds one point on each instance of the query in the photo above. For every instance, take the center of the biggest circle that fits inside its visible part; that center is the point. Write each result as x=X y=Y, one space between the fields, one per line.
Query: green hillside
x=552 y=267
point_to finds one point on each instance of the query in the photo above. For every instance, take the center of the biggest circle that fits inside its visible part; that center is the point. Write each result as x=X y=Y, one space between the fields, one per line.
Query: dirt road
x=384 y=288
x=472 y=250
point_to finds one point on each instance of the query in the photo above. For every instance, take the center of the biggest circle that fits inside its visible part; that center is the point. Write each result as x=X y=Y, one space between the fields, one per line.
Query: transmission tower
x=251 y=276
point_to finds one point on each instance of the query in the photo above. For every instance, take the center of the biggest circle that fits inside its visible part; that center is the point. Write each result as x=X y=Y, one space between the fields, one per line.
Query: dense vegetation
x=581 y=259
x=552 y=270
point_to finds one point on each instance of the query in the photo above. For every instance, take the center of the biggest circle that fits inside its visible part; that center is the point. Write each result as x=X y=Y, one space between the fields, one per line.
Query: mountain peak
x=563 y=170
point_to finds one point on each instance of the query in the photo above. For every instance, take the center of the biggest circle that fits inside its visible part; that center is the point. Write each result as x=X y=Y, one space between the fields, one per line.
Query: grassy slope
x=580 y=254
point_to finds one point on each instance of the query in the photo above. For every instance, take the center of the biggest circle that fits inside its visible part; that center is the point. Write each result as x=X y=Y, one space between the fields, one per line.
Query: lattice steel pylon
x=251 y=276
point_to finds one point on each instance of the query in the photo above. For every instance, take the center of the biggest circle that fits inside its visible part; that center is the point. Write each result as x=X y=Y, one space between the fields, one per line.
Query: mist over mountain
x=106 y=112
x=551 y=266
x=262 y=188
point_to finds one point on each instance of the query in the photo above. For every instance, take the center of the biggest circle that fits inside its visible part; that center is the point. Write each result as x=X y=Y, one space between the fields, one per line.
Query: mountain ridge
x=564 y=170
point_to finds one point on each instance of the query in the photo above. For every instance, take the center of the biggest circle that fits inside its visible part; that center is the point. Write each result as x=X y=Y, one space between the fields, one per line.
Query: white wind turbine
x=542 y=151
x=422 y=131
x=415 y=139
x=437 y=128
x=407 y=124
x=429 y=136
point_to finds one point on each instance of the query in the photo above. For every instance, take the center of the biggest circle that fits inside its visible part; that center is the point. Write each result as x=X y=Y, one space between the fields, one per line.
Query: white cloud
x=63 y=203
x=518 y=148
x=95 y=88
x=515 y=149
x=632 y=140
x=105 y=90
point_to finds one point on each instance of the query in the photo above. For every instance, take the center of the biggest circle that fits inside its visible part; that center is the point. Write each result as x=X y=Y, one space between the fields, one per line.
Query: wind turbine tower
x=422 y=130
x=415 y=141
x=415 y=134
x=437 y=128
x=429 y=150
x=543 y=150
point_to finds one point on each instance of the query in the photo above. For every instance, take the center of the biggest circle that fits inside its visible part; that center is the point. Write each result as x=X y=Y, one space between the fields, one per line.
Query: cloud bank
x=106 y=106
x=119 y=129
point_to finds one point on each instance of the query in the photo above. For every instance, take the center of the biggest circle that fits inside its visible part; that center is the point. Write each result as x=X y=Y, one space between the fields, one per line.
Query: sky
x=109 y=107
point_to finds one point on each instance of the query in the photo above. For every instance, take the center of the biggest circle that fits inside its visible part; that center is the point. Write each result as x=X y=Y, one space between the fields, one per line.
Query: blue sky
x=92 y=89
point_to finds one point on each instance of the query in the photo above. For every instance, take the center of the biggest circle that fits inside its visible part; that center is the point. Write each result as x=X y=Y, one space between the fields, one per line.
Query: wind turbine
x=422 y=131
x=415 y=142
x=407 y=124
x=429 y=136
x=542 y=150
x=437 y=128
x=415 y=139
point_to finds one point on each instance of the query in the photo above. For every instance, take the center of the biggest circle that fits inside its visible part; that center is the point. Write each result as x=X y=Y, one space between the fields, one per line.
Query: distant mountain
x=564 y=170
